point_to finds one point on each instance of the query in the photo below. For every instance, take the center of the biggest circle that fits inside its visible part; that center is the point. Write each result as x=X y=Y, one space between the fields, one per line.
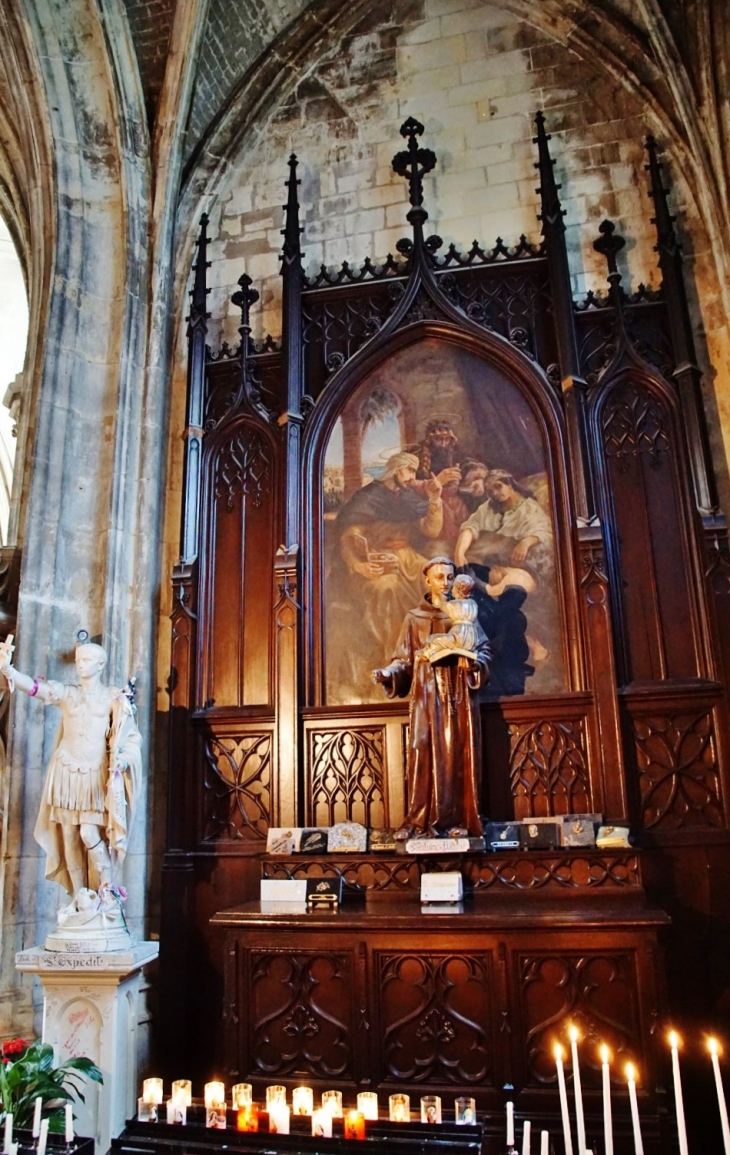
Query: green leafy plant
x=27 y=1072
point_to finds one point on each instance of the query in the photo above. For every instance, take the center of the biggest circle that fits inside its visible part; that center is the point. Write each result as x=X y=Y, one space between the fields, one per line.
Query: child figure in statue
x=465 y=634
x=91 y=783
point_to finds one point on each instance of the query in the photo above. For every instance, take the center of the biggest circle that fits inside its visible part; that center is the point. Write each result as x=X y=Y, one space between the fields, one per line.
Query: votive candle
x=182 y=1092
x=638 y=1143
x=279 y=1118
x=152 y=1091
x=430 y=1109
x=712 y=1044
x=399 y=1108
x=565 y=1114
x=302 y=1100
x=241 y=1095
x=247 y=1118
x=146 y=1112
x=332 y=1102
x=215 y=1116
x=275 y=1094
x=322 y=1123
x=678 y=1101
x=580 y=1124
x=214 y=1093
x=367 y=1102
x=607 y=1116
x=354 y=1125
x=465 y=1111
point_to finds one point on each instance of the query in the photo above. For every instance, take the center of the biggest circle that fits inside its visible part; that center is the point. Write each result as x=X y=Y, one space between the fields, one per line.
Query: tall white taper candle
x=68 y=1125
x=37 y=1117
x=567 y=1138
x=8 y=1136
x=580 y=1124
x=544 y=1143
x=510 y=1125
x=43 y=1138
x=638 y=1144
x=678 y=1101
x=607 y=1120
x=526 y=1129
x=712 y=1044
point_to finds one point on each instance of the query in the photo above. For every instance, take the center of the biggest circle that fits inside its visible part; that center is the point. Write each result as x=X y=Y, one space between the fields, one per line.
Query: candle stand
x=56 y=1144
x=195 y=1139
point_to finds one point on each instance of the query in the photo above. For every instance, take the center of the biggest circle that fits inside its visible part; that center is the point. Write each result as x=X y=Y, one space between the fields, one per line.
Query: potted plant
x=27 y=1072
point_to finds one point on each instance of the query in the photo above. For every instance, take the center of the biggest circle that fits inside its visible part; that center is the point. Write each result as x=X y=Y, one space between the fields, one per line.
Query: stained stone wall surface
x=475 y=75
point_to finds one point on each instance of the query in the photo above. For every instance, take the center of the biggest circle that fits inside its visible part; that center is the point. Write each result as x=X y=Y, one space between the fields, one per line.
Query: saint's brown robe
x=444 y=753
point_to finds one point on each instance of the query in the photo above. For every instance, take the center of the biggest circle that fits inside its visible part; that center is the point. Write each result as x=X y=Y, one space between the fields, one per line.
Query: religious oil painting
x=437 y=452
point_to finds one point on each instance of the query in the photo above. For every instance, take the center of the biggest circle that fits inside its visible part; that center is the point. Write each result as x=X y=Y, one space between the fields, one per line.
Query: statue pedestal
x=90 y=1007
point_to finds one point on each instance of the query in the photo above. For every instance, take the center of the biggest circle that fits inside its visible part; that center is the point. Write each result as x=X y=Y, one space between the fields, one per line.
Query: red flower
x=13 y=1047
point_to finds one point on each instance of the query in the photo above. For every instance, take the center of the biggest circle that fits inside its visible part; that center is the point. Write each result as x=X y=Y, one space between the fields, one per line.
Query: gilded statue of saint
x=444 y=754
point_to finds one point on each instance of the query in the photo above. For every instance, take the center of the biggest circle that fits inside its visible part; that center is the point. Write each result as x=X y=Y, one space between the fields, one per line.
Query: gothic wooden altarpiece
x=608 y=693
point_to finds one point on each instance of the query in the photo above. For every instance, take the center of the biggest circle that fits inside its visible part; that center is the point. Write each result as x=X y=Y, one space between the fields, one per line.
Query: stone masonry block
x=384 y=195
x=478 y=90
x=512 y=172
x=435 y=79
x=459 y=117
x=498 y=130
x=434 y=54
x=449 y=7
x=509 y=224
x=421 y=32
x=384 y=242
x=502 y=64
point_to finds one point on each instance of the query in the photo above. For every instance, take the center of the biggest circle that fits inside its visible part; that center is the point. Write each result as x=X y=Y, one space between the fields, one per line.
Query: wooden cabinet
x=392 y=995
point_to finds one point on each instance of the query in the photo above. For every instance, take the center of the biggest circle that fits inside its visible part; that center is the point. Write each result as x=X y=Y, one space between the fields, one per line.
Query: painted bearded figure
x=444 y=752
x=376 y=569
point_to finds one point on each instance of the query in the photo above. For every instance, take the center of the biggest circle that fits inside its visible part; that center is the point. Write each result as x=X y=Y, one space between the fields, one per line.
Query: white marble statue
x=89 y=792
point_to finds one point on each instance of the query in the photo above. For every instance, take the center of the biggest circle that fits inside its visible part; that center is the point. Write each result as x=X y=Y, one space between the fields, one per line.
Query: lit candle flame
x=673 y=1039
x=630 y=1071
x=558 y=1051
x=573 y=1032
x=712 y=1044
x=604 y=1053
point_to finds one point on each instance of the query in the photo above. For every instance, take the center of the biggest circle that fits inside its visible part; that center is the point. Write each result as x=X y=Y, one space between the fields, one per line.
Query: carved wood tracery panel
x=548 y=768
x=300 y=1014
x=237 y=787
x=242 y=468
x=679 y=783
x=435 y=1013
x=596 y=990
x=347 y=776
